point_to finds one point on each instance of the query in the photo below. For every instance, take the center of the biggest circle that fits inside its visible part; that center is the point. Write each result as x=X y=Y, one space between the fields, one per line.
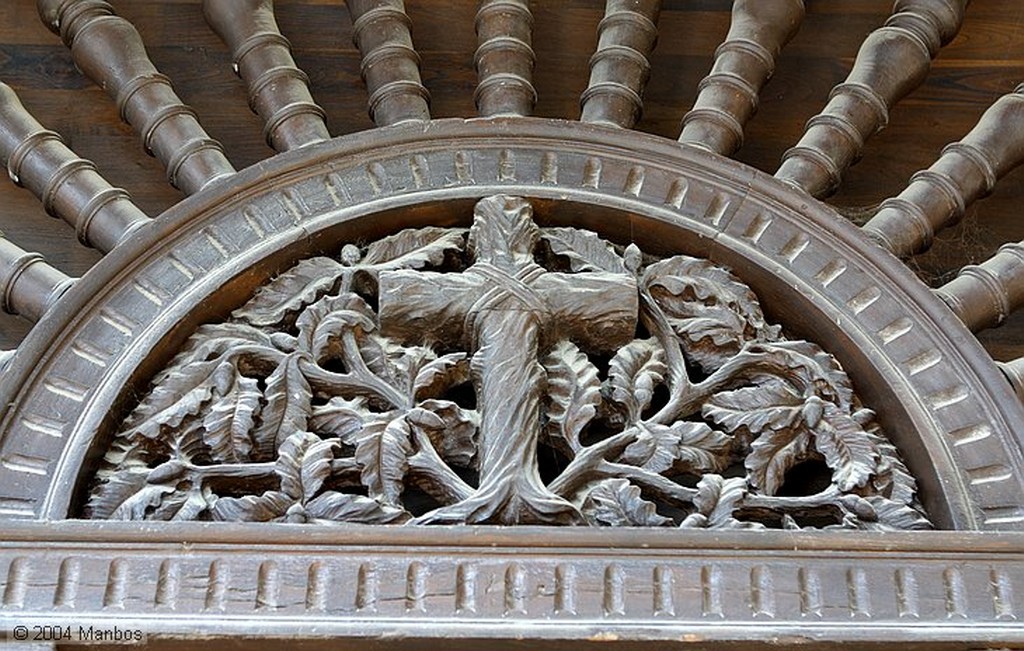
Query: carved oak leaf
x=574 y=394
x=288 y=406
x=713 y=313
x=291 y=291
x=617 y=503
x=303 y=464
x=451 y=429
x=180 y=393
x=692 y=447
x=382 y=452
x=332 y=506
x=752 y=410
x=634 y=372
x=773 y=453
x=847 y=448
x=228 y=421
x=440 y=375
x=585 y=250
x=340 y=418
x=717 y=500
x=413 y=248
x=270 y=505
x=321 y=324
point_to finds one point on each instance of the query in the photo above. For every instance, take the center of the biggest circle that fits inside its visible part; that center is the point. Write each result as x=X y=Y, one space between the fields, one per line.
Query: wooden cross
x=507 y=308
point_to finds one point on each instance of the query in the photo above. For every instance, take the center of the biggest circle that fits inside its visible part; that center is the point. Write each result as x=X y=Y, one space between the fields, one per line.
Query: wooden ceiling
x=985 y=61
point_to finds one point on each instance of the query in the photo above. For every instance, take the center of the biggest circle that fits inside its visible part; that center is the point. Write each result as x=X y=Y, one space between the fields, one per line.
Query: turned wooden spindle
x=109 y=50
x=619 y=68
x=28 y=285
x=69 y=187
x=966 y=171
x=391 y=67
x=894 y=60
x=1014 y=372
x=743 y=64
x=278 y=90
x=504 y=58
x=983 y=295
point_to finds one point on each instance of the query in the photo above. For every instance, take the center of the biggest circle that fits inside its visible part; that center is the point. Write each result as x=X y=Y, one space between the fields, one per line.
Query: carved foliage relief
x=508 y=374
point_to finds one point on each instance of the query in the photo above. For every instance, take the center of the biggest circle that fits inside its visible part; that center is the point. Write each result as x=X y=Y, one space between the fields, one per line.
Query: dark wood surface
x=984 y=62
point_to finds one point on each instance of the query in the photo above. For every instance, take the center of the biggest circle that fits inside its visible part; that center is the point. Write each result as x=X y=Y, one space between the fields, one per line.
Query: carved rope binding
x=892 y=61
x=620 y=68
x=967 y=170
x=510 y=374
x=390 y=66
x=743 y=64
x=69 y=187
x=278 y=89
x=109 y=50
x=504 y=58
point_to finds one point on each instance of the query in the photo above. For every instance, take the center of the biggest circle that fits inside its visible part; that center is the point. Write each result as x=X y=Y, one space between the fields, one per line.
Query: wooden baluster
x=109 y=50
x=743 y=64
x=504 y=58
x=982 y=296
x=619 y=69
x=28 y=285
x=391 y=66
x=278 y=90
x=69 y=187
x=1014 y=372
x=966 y=171
x=893 y=61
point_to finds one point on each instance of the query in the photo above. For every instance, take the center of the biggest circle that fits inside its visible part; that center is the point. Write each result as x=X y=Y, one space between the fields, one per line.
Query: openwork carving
x=507 y=374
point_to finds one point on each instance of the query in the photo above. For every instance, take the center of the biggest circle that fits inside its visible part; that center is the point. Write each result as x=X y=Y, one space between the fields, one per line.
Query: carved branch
x=967 y=170
x=504 y=58
x=743 y=64
x=893 y=61
x=69 y=187
x=28 y=285
x=620 y=68
x=278 y=89
x=109 y=50
x=391 y=66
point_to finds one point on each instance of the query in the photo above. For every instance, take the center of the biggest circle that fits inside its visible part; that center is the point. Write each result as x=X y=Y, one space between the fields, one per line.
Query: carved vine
x=504 y=374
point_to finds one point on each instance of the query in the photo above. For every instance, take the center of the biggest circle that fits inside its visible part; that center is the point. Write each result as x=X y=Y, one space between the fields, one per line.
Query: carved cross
x=506 y=308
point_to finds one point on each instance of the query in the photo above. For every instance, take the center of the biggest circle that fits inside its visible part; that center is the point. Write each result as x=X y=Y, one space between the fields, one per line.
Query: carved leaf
x=693 y=447
x=846 y=447
x=271 y=505
x=116 y=488
x=452 y=430
x=892 y=479
x=383 y=457
x=180 y=393
x=288 y=406
x=441 y=374
x=634 y=372
x=716 y=501
x=212 y=340
x=339 y=417
x=291 y=291
x=228 y=421
x=574 y=393
x=752 y=410
x=503 y=231
x=710 y=309
x=617 y=503
x=585 y=250
x=137 y=506
x=343 y=507
x=303 y=464
x=413 y=248
x=322 y=323
x=772 y=455
x=892 y=515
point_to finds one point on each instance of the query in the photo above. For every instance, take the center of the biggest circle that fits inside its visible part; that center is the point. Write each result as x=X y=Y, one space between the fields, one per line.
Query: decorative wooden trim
x=935 y=591
x=109 y=50
x=504 y=58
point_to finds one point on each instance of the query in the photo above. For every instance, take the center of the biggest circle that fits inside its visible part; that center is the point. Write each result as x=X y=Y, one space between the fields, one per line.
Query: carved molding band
x=509 y=374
